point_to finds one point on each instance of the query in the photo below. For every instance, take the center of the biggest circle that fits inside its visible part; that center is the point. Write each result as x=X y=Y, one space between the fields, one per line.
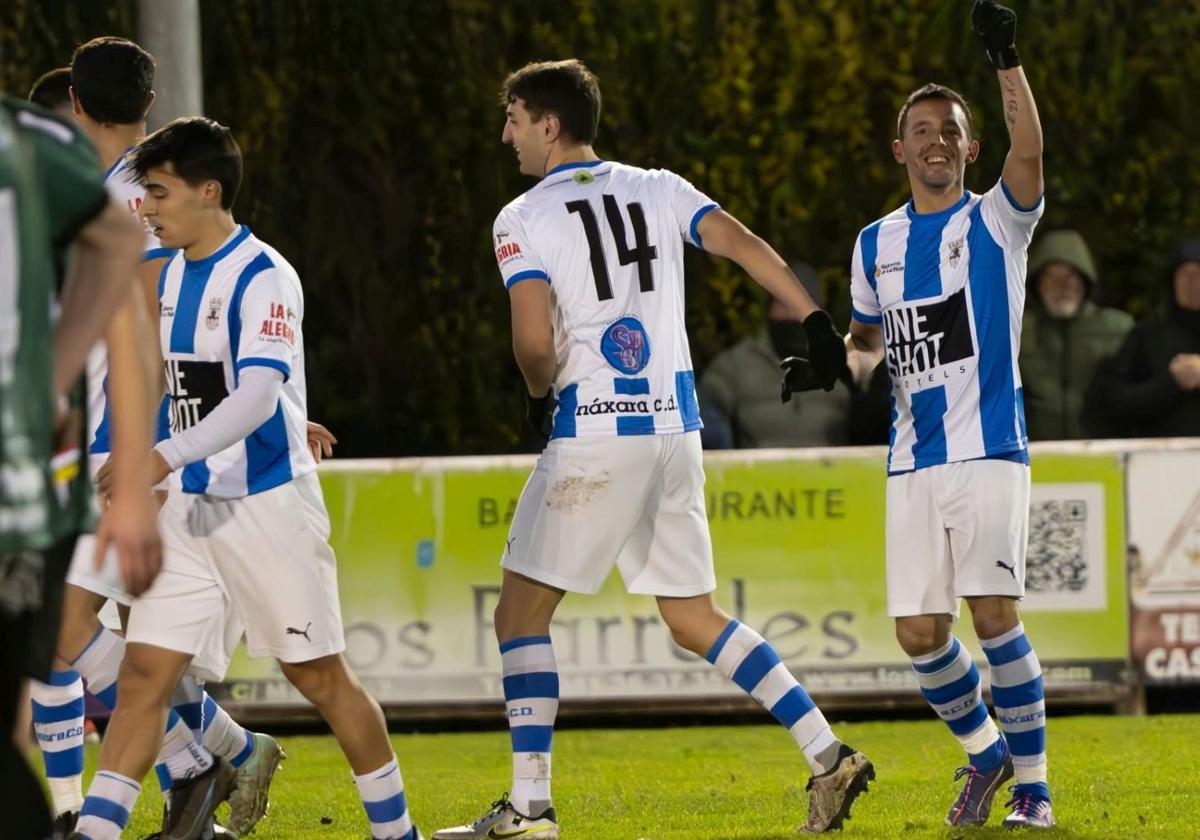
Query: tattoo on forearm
x=1010 y=102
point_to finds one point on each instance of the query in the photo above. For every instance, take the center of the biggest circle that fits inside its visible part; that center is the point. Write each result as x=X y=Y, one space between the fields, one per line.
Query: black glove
x=997 y=26
x=539 y=411
x=826 y=362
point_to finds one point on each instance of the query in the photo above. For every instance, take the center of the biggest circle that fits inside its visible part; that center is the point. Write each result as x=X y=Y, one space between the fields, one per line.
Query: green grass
x=1111 y=777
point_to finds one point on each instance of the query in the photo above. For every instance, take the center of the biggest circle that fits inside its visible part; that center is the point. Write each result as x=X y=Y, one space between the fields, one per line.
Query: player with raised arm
x=245 y=525
x=592 y=258
x=938 y=289
x=109 y=92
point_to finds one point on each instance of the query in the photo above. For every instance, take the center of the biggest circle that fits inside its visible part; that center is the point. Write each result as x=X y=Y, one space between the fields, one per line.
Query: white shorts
x=956 y=531
x=636 y=502
x=264 y=560
x=83 y=573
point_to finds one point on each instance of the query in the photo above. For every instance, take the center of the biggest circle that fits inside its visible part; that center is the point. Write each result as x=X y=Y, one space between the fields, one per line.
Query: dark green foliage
x=371 y=131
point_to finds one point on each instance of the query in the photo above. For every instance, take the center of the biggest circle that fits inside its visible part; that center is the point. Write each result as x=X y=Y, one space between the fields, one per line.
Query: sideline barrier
x=798 y=539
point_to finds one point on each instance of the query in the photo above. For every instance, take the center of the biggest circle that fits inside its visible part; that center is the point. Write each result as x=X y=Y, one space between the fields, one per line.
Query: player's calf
x=358 y=724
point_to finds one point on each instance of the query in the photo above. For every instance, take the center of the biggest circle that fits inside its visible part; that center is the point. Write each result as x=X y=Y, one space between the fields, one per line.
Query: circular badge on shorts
x=626 y=346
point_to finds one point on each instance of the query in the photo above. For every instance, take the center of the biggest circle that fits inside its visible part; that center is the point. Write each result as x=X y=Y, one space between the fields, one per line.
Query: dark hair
x=199 y=149
x=113 y=80
x=566 y=88
x=932 y=91
x=52 y=89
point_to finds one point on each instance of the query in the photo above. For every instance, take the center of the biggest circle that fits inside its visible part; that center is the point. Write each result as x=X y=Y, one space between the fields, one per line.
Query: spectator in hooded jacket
x=1152 y=388
x=1066 y=338
x=739 y=392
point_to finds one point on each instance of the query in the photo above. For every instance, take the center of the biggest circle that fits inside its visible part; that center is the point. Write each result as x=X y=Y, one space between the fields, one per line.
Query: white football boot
x=503 y=822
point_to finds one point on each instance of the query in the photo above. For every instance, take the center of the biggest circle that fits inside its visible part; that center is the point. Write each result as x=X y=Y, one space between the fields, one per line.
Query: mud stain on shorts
x=576 y=492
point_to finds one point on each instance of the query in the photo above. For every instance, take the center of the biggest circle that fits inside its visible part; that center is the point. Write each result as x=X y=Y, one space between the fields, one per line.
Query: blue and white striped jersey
x=949 y=290
x=609 y=239
x=124 y=188
x=239 y=307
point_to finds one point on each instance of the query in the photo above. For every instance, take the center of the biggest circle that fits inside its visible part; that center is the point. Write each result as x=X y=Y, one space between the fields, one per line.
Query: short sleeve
x=1010 y=224
x=69 y=173
x=689 y=206
x=514 y=252
x=864 y=300
x=271 y=311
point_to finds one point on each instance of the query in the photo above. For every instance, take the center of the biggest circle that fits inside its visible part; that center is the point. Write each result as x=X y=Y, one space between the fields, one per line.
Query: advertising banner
x=798 y=539
x=1164 y=564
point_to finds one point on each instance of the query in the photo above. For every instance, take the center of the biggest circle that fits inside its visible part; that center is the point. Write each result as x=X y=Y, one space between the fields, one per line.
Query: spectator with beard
x=739 y=392
x=1152 y=388
x=1067 y=337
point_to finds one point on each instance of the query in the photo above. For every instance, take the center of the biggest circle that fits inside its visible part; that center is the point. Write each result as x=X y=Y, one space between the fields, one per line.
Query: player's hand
x=130 y=526
x=996 y=25
x=826 y=361
x=539 y=411
x=1185 y=370
x=104 y=477
x=320 y=441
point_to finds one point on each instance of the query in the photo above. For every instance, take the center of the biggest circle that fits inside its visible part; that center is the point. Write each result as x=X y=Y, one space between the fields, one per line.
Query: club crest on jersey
x=955 y=249
x=626 y=346
x=214 y=314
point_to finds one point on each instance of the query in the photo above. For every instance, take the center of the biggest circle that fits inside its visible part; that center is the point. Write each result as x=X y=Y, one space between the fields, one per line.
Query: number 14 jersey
x=609 y=240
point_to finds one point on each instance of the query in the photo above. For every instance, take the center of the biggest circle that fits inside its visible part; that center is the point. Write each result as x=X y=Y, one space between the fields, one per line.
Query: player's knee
x=917 y=638
x=143 y=682
x=993 y=617
x=319 y=680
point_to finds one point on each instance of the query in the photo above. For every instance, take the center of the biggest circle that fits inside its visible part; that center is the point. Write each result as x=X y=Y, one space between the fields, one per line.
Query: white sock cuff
x=737 y=647
x=1004 y=638
x=115 y=788
x=534 y=657
x=380 y=784
x=100 y=661
x=55 y=695
x=927 y=658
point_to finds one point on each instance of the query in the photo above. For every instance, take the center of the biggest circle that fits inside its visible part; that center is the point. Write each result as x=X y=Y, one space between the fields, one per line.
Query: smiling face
x=530 y=139
x=936 y=146
x=176 y=211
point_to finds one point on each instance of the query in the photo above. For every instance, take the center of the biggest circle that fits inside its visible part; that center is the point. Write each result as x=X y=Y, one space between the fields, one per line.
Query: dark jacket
x=742 y=384
x=1138 y=391
x=1060 y=356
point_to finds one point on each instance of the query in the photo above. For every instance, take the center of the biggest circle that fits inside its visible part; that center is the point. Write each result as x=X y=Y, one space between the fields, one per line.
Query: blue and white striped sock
x=382 y=794
x=99 y=664
x=188 y=702
x=531 y=700
x=743 y=656
x=1020 y=702
x=105 y=812
x=949 y=680
x=223 y=735
x=181 y=754
x=58 y=723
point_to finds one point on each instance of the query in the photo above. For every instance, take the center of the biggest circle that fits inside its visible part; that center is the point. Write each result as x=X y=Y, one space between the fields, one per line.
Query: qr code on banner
x=1057 y=560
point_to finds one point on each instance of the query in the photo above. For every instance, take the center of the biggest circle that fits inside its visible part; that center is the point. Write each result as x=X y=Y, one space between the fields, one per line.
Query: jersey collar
x=940 y=215
x=235 y=239
x=117 y=163
x=562 y=167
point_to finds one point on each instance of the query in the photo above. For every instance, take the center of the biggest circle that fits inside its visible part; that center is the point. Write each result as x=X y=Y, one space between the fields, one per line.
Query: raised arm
x=996 y=25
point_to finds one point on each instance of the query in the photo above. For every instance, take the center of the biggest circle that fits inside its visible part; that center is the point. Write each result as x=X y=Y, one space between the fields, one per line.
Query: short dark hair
x=933 y=91
x=113 y=80
x=566 y=88
x=199 y=149
x=52 y=89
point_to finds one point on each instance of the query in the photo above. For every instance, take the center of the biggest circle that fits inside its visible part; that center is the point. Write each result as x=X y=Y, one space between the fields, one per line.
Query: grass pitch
x=1111 y=777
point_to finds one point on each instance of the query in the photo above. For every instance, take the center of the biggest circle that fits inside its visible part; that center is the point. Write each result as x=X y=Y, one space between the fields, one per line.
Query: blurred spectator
x=739 y=392
x=1152 y=388
x=1066 y=338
